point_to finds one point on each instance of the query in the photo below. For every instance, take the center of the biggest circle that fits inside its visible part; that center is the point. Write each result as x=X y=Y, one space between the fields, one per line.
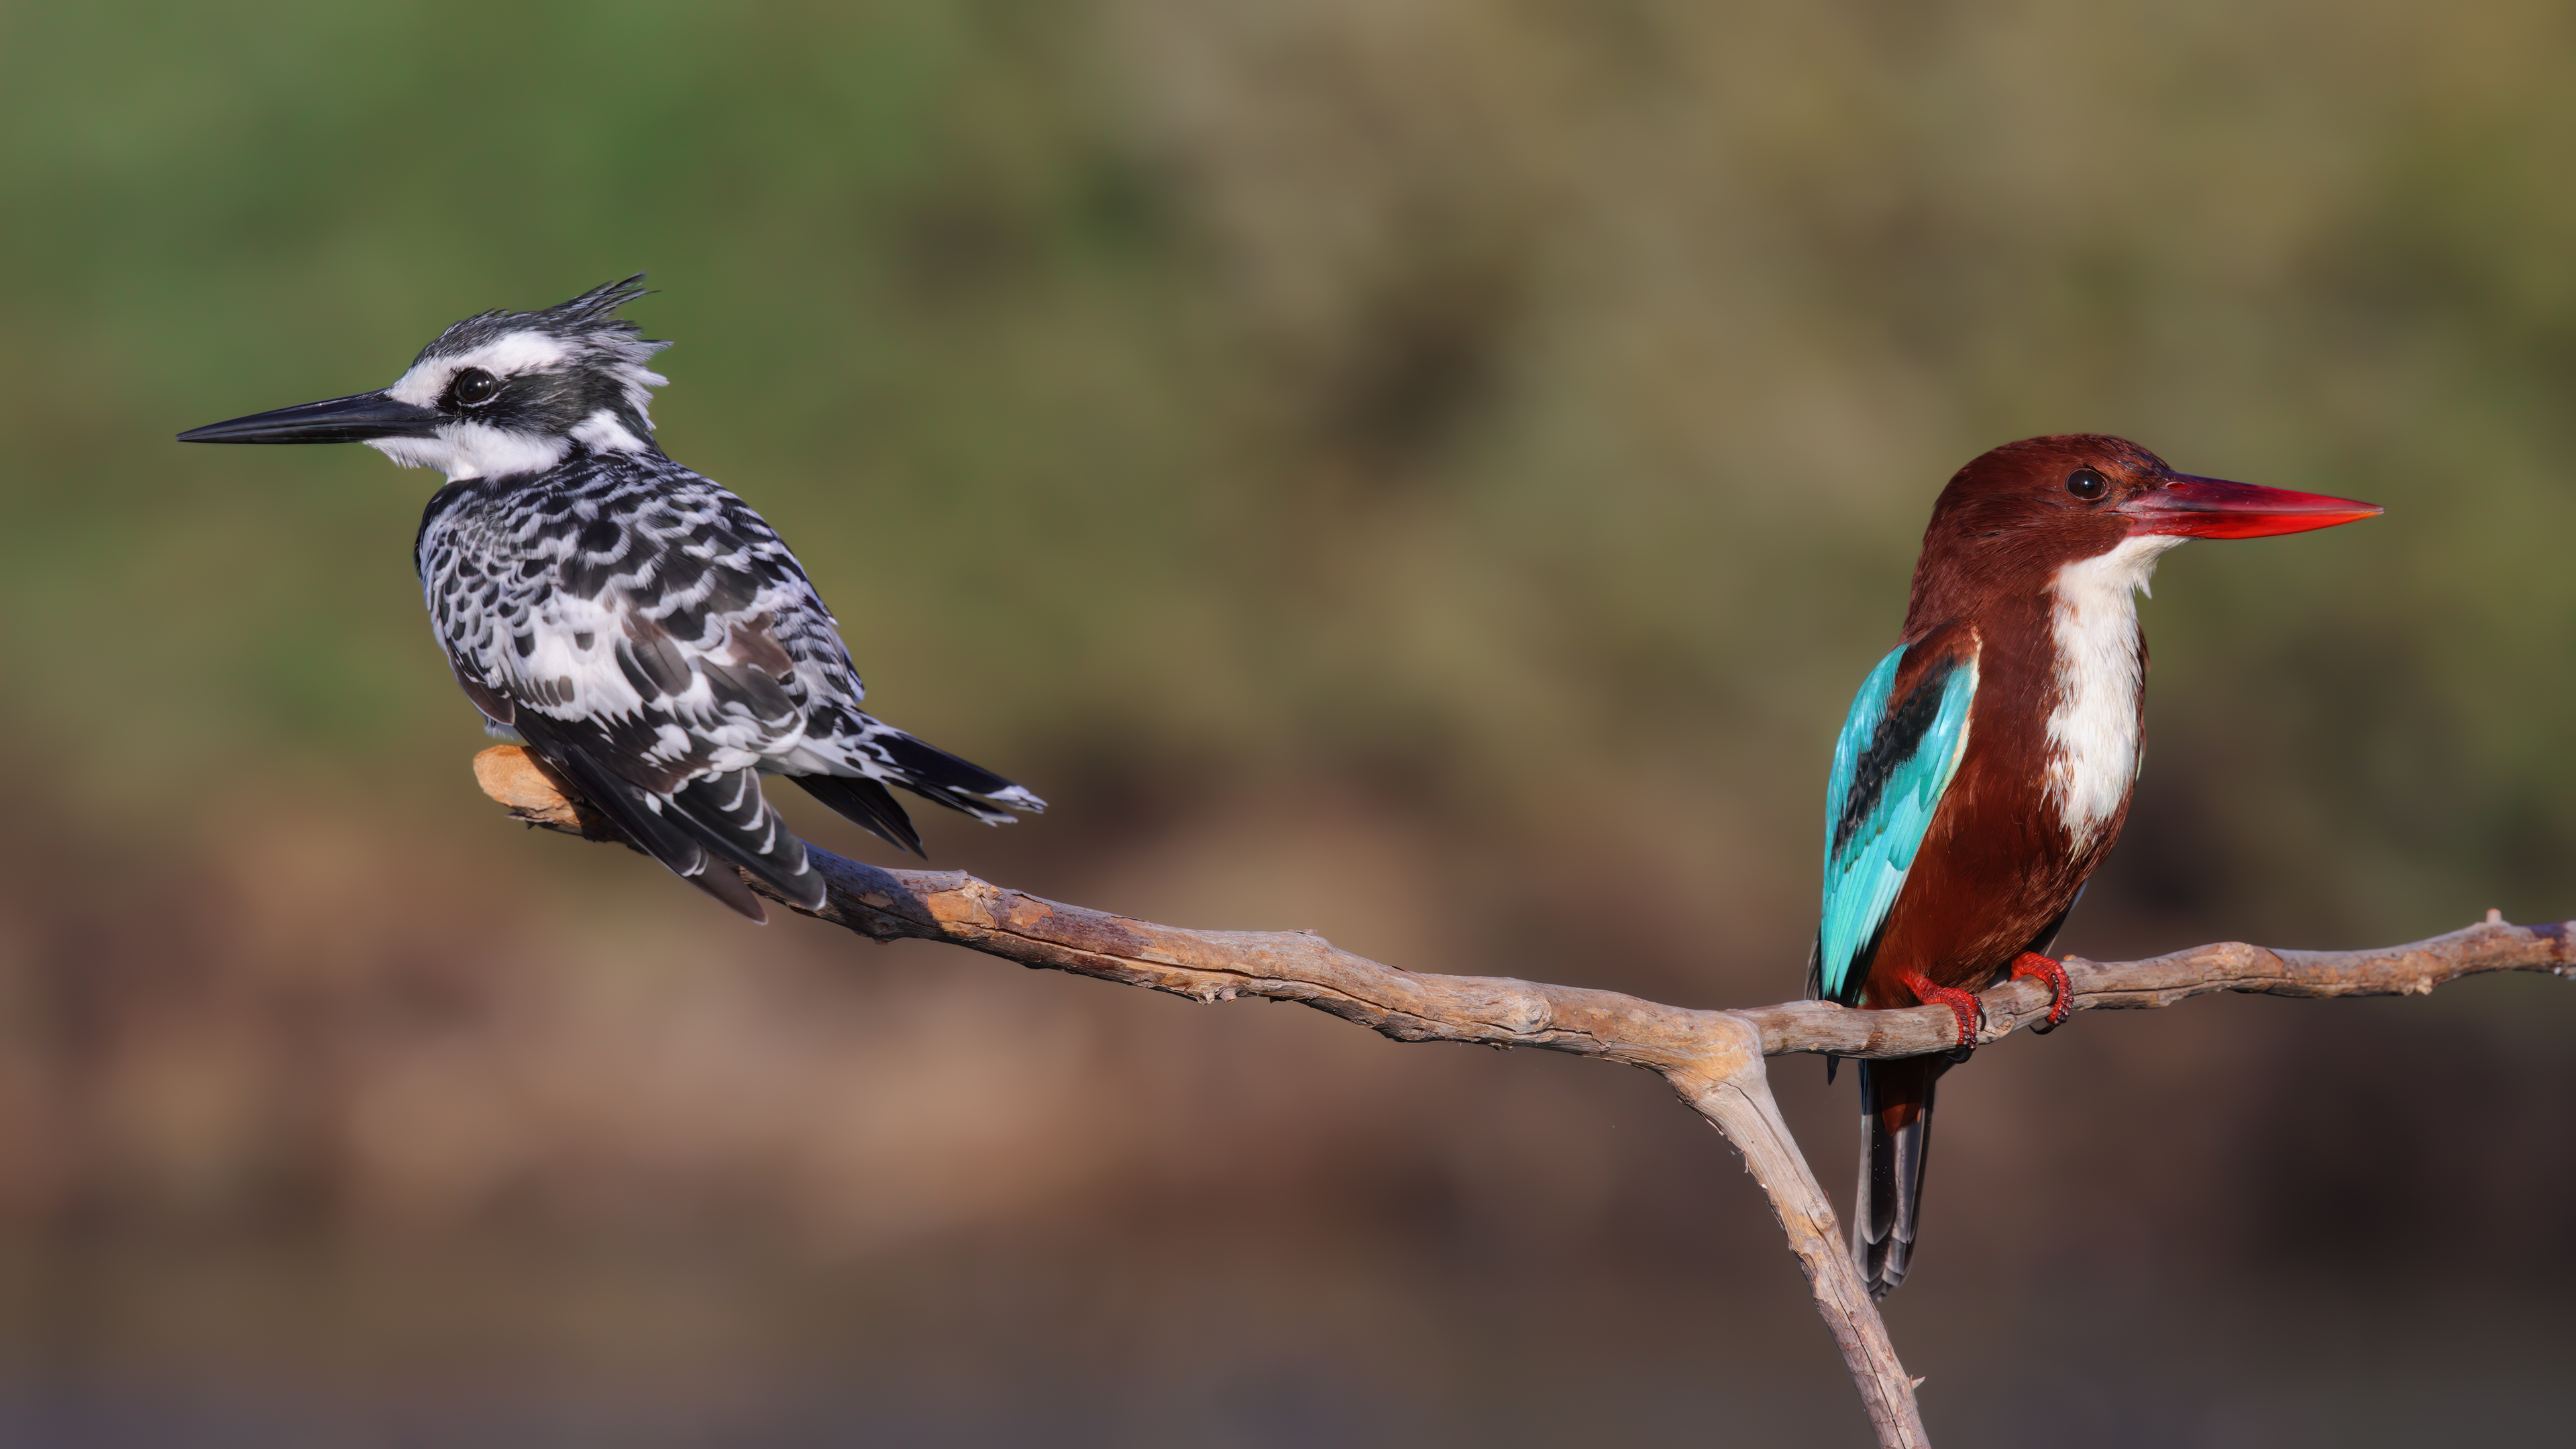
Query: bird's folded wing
x=647 y=657
x=662 y=708
x=666 y=738
x=1898 y=751
x=662 y=623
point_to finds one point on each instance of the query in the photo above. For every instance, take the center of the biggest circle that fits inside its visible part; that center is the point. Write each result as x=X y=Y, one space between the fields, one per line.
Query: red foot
x=2061 y=999
x=1962 y=1004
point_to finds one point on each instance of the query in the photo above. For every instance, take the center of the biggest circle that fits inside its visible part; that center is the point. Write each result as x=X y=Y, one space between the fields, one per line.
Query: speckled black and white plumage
x=648 y=633
x=630 y=621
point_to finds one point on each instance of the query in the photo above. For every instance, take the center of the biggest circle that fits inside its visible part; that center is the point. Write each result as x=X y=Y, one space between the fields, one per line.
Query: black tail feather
x=938 y=776
x=728 y=815
x=661 y=837
x=865 y=803
x=1896 y=1143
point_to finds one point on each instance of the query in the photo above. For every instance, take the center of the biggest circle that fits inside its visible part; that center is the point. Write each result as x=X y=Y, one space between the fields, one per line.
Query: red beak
x=2215 y=508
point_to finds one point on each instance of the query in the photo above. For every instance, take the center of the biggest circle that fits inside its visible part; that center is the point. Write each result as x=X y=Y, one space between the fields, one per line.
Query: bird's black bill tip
x=358 y=419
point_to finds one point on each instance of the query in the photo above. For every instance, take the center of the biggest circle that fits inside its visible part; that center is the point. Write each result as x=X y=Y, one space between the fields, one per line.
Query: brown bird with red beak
x=1986 y=766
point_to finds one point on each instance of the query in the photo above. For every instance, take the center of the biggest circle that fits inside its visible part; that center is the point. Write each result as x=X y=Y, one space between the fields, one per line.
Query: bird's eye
x=474 y=387
x=2086 y=484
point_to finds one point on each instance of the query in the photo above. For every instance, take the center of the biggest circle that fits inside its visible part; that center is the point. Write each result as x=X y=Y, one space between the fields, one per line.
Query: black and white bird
x=636 y=625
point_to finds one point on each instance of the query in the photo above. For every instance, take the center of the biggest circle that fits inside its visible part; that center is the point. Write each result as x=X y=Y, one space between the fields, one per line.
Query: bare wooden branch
x=1712 y=1059
x=1733 y=1091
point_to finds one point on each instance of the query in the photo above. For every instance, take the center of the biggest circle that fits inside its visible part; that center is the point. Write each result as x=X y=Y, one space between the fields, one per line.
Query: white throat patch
x=475 y=450
x=2094 y=754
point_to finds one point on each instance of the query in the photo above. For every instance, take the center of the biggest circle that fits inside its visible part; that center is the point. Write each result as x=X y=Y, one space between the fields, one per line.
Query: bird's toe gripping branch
x=2061 y=992
x=538 y=796
x=1963 y=1005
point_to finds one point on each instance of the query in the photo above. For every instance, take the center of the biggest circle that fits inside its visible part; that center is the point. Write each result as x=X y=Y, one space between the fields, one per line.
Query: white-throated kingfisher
x=1986 y=766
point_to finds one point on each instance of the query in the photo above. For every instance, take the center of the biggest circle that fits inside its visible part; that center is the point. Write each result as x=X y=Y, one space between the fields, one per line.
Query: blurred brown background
x=1431 y=471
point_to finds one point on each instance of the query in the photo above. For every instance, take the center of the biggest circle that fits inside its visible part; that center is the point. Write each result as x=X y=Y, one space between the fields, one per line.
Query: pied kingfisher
x=638 y=627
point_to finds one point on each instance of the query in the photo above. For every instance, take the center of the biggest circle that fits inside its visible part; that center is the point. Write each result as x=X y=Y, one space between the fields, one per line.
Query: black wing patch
x=867 y=804
x=1898 y=741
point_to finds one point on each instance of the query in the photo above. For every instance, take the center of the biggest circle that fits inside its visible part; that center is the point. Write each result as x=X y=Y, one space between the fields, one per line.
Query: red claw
x=2061 y=999
x=1963 y=1004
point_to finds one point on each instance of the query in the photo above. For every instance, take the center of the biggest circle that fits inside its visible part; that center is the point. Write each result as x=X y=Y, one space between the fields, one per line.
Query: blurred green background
x=1431 y=471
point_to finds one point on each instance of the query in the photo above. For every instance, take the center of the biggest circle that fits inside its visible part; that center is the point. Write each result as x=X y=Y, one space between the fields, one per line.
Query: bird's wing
x=633 y=629
x=1899 y=749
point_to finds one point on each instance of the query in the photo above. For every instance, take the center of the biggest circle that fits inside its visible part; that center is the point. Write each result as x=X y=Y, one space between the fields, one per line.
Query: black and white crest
x=521 y=389
x=638 y=626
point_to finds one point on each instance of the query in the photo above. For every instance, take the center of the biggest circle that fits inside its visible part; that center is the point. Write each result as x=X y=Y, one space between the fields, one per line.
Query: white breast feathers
x=2094 y=748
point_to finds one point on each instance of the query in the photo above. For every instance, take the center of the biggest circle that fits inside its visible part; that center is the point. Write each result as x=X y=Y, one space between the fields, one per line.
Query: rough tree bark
x=1712 y=1059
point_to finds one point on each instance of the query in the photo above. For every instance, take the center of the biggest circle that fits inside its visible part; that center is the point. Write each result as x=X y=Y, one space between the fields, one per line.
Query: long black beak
x=340 y=420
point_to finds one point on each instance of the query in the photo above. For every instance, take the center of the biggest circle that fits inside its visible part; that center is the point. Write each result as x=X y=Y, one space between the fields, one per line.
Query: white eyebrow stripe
x=517 y=352
x=504 y=356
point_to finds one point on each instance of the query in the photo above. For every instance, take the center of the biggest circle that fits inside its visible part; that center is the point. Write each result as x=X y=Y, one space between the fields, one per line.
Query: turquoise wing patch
x=1891 y=765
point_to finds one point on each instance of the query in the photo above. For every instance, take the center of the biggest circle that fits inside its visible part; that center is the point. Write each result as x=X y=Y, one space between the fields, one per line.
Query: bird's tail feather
x=1896 y=1141
x=936 y=775
x=865 y=803
x=703 y=831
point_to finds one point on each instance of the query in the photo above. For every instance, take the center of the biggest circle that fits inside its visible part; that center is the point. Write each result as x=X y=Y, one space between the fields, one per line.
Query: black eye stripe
x=2086 y=484
x=473 y=387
